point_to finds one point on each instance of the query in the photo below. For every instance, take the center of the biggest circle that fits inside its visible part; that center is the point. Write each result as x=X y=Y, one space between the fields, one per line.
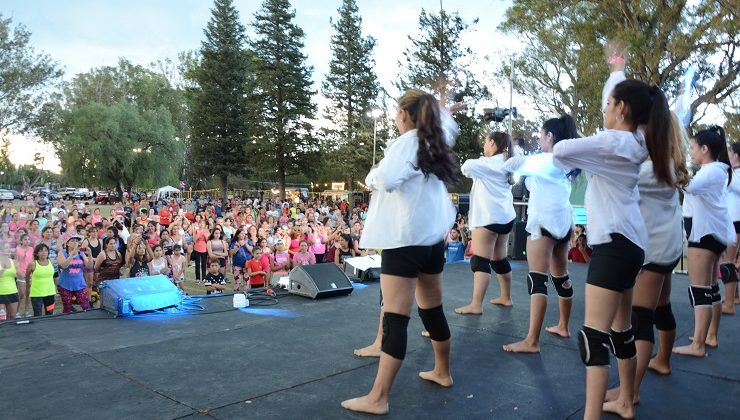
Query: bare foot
x=469 y=310
x=364 y=405
x=521 y=347
x=559 y=331
x=613 y=395
x=623 y=409
x=659 y=366
x=369 y=351
x=710 y=342
x=432 y=376
x=689 y=350
x=425 y=333
x=736 y=301
x=501 y=302
x=728 y=309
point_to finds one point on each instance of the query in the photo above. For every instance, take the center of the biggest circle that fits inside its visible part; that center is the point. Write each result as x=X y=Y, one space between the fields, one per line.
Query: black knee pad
x=594 y=346
x=700 y=296
x=435 y=322
x=480 y=264
x=536 y=283
x=664 y=319
x=642 y=322
x=716 y=295
x=563 y=286
x=394 y=335
x=501 y=266
x=729 y=273
x=623 y=344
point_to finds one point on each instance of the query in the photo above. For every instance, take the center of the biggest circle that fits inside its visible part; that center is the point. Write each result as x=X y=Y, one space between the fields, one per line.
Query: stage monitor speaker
x=319 y=281
x=518 y=241
x=138 y=294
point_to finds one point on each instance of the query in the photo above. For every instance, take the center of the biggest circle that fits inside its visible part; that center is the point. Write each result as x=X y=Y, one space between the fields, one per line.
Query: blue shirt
x=454 y=251
x=72 y=277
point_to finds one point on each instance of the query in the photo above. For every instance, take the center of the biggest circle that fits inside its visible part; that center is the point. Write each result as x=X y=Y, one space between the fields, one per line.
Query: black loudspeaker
x=518 y=241
x=319 y=281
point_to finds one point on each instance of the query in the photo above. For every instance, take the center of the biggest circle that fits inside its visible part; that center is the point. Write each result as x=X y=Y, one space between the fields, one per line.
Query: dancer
x=617 y=231
x=549 y=223
x=710 y=230
x=661 y=210
x=727 y=268
x=412 y=175
x=491 y=218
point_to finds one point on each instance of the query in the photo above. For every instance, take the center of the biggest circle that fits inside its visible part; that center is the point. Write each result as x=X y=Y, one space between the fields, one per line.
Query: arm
x=704 y=182
x=210 y=250
x=336 y=258
x=395 y=168
x=616 y=77
x=63 y=261
x=29 y=274
x=476 y=168
x=585 y=153
x=99 y=260
x=312 y=257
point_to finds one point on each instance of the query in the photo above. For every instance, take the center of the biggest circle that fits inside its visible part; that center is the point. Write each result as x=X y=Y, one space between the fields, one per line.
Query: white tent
x=165 y=191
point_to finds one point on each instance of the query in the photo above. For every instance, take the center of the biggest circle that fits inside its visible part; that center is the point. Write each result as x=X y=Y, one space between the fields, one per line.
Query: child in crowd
x=303 y=256
x=214 y=280
x=158 y=264
x=580 y=253
x=256 y=272
x=344 y=250
x=280 y=259
x=177 y=262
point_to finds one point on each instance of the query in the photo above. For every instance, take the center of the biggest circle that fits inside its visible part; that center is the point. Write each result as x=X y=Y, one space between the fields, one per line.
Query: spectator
x=303 y=256
x=109 y=262
x=217 y=247
x=214 y=280
x=158 y=264
x=9 y=297
x=41 y=284
x=72 y=283
x=580 y=253
x=455 y=245
x=256 y=271
x=241 y=253
x=177 y=262
x=280 y=264
x=344 y=250
x=200 y=248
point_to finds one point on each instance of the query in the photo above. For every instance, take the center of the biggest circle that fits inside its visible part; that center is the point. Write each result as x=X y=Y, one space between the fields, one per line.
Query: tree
x=352 y=89
x=562 y=68
x=25 y=77
x=219 y=102
x=437 y=62
x=283 y=138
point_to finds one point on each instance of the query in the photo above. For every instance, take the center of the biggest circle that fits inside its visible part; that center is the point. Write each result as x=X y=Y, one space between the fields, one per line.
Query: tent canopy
x=166 y=190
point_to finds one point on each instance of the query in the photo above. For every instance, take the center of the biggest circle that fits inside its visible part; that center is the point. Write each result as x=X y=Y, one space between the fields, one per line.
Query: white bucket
x=240 y=300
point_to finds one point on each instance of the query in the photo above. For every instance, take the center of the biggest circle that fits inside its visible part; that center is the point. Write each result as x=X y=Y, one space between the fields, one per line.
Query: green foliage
x=219 y=98
x=562 y=69
x=25 y=77
x=282 y=138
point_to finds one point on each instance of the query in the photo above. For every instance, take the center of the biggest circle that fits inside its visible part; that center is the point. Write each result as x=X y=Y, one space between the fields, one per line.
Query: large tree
x=220 y=100
x=437 y=61
x=352 y=89
x=25 y=77
x=562 y=67
x=282 y=140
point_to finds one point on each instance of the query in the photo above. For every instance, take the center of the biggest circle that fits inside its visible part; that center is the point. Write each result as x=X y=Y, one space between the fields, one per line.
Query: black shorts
x=687 y=221
x=501 y=229
x=615 y=265
x=661 y=268
x=7 y=299
x=409 y=261
x=737 y=227
x=563 y=240
x=709 y=243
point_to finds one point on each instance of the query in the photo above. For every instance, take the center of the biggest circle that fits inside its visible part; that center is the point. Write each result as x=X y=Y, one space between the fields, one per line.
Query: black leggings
x=201 y=264
x=45 y=304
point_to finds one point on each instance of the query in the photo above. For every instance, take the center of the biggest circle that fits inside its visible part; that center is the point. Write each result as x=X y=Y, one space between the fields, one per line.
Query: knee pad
x=642 y=322
x=623 y=344
x=716 y=295
x=700 y=296
x=729 y=273
x=664 y=319
x=563 y=286
x=501 y=266
x=435 y=323
x=480 y=264
x=594 y=346
x=394 y=335
x=536 y=283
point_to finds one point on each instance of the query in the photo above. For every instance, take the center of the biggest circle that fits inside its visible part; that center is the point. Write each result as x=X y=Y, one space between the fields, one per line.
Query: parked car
x=6 y=195
x=68 y=192
x=82 y=194
x=55 y=195
x=101 y=197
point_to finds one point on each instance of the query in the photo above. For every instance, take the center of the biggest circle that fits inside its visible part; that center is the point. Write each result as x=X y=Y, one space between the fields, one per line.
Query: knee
x=563 y=286
x=537 y=283
x=435 y=322
x=642 y=322
x=664 y=319
x=501 y=266
x=480 y=264
x=623 y=344
x=729 y=273
x=716 y=295
x=394 y=335
x=700 y=296
x=594 y=346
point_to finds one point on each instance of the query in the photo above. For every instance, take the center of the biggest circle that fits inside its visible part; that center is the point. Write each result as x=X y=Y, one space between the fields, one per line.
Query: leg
x=623 y=342
x=83 y=299
x=22 y=300
x=429 y=301
x=66 y=297
x=729 y=278
x=666 y=325
x=11 y=309
x=539 y=253
x=398 y=295
x=48 y=302
x=37 y=304
x=712 y=334
x=484 y=241
x=504 y=273
x=701 y=264
x=373 y=350
x=559 y=265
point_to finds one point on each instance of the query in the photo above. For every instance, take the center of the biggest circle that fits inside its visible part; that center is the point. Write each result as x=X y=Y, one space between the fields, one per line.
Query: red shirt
x=575 y=255
x=164 y=217
x=255 y=280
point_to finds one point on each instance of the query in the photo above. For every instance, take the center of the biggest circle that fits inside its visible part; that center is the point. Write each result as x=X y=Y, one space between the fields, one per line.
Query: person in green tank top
x=8 y=289
x=41 y=283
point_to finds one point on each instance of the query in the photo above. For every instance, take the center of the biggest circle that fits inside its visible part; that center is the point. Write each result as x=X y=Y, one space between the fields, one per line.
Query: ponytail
x=434 y=155
x=679 y=146
x=503 y=143
x=561 y=129
x=715 y=140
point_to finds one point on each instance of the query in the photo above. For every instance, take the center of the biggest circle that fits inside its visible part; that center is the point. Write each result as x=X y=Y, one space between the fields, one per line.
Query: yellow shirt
x=42 y=280
x=7 y=280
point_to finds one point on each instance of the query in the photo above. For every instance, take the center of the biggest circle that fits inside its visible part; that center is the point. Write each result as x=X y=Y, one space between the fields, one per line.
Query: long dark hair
x=562 y=128
x=715 y=140
x=735 y=148
x=38 y=249
x=647 y=106
x=434 y=156
x=503 y=143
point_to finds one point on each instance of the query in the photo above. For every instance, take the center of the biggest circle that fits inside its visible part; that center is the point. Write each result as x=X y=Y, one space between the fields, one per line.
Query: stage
x=294 y=361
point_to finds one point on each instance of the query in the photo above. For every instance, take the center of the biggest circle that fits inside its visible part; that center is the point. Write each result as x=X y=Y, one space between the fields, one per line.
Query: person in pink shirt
x=303 y=256
x=16 y=222
x=23 y=257
x=317 y=240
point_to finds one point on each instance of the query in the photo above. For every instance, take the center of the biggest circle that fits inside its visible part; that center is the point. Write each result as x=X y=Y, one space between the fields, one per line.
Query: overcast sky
x=84 y=34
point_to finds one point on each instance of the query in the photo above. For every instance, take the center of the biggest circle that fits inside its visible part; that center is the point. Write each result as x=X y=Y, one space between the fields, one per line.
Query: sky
x=84 y=34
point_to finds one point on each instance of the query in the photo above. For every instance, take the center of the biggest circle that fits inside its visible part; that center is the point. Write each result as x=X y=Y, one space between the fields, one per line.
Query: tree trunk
x=281 y=181
x=224 y=178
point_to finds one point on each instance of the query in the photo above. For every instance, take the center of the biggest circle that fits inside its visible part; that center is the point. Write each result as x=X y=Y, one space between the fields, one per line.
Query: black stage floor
x=294 y=360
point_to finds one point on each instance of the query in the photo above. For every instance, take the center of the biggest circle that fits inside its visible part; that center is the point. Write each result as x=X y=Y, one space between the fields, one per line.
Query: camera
x=498 y=114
